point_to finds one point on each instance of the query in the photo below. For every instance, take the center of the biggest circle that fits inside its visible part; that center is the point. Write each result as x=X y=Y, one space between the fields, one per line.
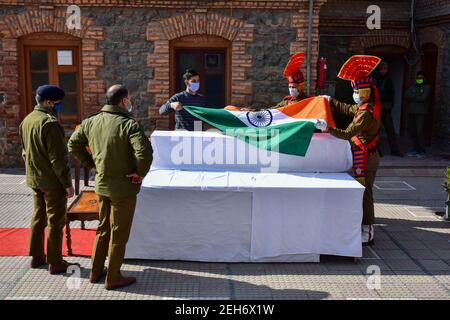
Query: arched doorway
x=394 y=55
x=210 y=56
x=51 y=58
x=428 y=66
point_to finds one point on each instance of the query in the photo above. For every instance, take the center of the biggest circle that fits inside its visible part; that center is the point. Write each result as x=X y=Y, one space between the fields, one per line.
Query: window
x=51 y=60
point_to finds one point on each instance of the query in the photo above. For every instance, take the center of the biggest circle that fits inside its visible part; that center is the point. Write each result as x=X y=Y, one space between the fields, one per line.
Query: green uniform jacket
x=44 y=151
x=418 y=96
x=364 y=126
x=118 y=147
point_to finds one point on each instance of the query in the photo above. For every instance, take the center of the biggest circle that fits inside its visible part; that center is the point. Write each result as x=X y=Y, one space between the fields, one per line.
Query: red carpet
x=14 y=242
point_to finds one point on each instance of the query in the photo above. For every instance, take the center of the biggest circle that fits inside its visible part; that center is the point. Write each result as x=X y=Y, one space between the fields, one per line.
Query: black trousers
x=416 y=123
x=388 y=124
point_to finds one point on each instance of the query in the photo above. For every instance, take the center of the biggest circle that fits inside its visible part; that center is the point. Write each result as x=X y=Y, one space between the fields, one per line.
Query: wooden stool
x=83 y=208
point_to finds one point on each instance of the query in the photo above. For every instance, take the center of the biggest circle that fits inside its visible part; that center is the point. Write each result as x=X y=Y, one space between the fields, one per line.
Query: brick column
x=300 y=22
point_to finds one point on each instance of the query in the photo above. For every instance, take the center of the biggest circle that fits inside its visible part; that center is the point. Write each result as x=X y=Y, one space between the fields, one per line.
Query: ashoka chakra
x=260 y=118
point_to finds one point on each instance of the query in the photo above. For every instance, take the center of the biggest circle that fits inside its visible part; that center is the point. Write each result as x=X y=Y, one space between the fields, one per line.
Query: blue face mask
x=57 y=107
x=356 y=98
x=194 y=86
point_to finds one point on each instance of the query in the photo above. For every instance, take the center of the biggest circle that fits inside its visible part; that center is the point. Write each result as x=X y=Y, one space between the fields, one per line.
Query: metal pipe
x=308 y=52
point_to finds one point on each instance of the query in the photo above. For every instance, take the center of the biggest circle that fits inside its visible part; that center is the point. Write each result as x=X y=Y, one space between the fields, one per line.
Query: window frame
x=50 y=43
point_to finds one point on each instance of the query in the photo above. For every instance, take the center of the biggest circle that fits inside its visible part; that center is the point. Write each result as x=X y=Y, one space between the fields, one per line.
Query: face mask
x=57 y=107
x=293 y=92
x=356 y=98
x=419 y=81
x=194 y=86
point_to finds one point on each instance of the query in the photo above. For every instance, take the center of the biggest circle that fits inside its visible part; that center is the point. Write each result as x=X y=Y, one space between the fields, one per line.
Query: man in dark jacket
x=189 y=97
x=418 y=96
x=387 y=93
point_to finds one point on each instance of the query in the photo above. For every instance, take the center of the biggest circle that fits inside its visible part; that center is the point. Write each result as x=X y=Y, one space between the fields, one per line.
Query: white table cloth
x=246 y=216
x=210 y=197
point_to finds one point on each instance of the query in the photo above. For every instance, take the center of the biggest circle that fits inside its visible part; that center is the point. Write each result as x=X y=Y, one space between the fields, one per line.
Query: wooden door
x=57 y=63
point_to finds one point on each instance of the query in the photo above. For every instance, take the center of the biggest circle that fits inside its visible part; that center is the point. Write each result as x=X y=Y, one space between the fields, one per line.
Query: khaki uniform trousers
x=49 y=211
x=116 y=217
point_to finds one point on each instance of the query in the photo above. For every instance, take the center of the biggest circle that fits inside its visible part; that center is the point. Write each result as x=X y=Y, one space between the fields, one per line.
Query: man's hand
x=70 y=192
x=136 y=179
x=321 y=125
x=177 y=106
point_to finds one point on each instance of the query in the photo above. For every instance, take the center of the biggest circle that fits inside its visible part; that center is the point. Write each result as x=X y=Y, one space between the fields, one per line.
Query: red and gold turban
x=357 y=69
x=292 y=71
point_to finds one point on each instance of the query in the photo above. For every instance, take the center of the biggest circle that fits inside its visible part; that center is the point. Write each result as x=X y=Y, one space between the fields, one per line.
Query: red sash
x=361 y=153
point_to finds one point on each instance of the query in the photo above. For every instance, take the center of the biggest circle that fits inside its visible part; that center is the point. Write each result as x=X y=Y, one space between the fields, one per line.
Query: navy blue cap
x=52 y=93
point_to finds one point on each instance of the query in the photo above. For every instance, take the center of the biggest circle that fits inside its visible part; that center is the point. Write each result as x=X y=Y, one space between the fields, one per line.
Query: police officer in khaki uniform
x=363 y=132
x=121 y=155
x=44 y=151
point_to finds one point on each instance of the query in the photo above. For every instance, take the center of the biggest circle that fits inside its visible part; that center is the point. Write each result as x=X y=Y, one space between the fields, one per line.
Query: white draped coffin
x=244 y=212
x=213 y=151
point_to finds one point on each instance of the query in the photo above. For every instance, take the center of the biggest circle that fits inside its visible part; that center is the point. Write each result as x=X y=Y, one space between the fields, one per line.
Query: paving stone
x=399 y=291
x=399 y=237
x=428 y=290
x=435 y=265
x=391 y=254
x=422 y=254
x=402 y=265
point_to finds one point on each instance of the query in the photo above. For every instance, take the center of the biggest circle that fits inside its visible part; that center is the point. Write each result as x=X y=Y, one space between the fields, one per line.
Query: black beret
x=52 y=93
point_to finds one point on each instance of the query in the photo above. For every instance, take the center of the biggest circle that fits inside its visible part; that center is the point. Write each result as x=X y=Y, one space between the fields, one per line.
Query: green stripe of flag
x=219 y=118
x=289 y=138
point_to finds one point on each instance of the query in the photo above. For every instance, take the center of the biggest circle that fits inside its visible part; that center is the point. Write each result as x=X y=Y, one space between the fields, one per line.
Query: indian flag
x=286 y=130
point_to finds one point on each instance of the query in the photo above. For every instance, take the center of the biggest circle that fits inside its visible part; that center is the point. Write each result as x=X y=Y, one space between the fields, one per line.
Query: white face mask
x=356 y=98
x=293 y=92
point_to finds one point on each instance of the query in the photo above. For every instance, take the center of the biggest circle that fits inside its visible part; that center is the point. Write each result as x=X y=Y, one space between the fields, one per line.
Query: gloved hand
x=326 y=97
x=322 y=125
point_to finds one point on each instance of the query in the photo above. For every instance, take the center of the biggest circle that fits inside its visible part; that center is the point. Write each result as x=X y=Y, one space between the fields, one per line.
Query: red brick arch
x=437 y=37
x=384 y=38
x=199 y=22
x=45 y=21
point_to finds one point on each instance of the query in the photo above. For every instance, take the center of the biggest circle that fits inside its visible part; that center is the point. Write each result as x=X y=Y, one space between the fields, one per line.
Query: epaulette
x=366 y=106
x=52 y=117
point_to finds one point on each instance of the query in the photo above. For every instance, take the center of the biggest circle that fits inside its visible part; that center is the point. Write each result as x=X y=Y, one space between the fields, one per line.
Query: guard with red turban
x=363 y=132
x=296 y=81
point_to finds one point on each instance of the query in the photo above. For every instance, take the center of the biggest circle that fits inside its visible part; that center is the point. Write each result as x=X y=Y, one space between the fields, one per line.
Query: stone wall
x=124 y=49
x=120 y=45
x=128 y=43
x=432 y=8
